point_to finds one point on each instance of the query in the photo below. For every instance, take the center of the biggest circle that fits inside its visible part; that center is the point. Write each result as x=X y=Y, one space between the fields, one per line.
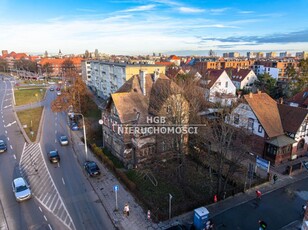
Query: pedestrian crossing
x=33 y=167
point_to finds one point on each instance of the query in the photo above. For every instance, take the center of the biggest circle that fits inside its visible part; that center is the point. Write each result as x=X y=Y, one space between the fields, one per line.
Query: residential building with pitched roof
x=218 y=87
x=299 y=100
x=260 y=116
x=242 y=78
x=295 y=125
x=141 y=99
x=56 y=64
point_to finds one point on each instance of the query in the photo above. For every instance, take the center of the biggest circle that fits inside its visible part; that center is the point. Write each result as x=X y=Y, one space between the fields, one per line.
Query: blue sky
x=133 y=27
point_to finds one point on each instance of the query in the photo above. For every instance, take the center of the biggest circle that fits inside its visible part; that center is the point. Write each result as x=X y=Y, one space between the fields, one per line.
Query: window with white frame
x=250 y=123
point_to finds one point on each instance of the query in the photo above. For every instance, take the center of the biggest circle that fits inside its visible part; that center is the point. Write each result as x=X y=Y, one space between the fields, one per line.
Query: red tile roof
x=266 y=110
x=292 y=117
x=212 y=75
x=300 y=98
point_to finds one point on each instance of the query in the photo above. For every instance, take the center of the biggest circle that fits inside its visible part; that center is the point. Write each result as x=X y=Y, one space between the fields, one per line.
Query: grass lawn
x=31 y=118
x=27 y=96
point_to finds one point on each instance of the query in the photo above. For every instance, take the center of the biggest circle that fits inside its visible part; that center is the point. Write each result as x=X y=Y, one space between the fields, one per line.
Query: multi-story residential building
x=273 y=66
x=86 y=72
x=260 y=116
x=261 y=69
x=133 y=108
x=56 y=64
x=259 y=55
x=301 y=55
x=271 y=55
x=108 y=77
x=284 y=54
x=251 y=55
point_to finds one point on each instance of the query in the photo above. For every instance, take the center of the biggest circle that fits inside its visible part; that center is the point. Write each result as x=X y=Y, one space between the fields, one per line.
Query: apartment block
x=107 y=77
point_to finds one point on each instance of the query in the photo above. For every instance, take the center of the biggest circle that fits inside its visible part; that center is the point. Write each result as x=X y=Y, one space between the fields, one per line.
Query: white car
x=63 y=140
x=21 y=189
x=58 y=93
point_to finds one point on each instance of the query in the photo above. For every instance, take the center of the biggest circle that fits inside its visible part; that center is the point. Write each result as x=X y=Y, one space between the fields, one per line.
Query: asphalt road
x=62 y=195
x=277 y=208
x=82 y=204
x=25 y=215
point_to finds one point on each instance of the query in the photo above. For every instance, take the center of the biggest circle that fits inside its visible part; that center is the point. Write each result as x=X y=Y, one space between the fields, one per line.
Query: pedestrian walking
x=258 y=193
x=275 y=178
x=262 y=225
x=126 y=210
x=303 y=209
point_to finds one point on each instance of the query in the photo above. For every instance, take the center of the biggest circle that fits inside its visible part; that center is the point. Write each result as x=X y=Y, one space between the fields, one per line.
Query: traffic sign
x=116 y=188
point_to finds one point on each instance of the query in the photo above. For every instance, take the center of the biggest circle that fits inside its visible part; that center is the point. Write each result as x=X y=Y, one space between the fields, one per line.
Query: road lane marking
x=40 y=209
x=63 y=181
x=49 y=226
x=8 y=138
x=58 y=165
x=5 y=131
x=45 y=217
x=14 y=156
x=11 y=146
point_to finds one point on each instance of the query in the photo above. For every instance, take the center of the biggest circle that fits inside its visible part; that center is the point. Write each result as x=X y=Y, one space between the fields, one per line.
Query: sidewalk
x=138 y=218
x=104 y=187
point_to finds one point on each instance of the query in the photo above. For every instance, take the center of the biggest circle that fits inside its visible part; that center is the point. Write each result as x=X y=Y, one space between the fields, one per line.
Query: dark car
x=91 y=168
x=54 y=156
x=2 y=146
x=305 y=164
x=74 y=127
x=51 y=89
x=58 y=89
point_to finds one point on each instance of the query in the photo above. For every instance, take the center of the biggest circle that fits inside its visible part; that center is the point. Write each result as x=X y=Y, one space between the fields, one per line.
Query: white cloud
x=190 y=10
x=140 y=8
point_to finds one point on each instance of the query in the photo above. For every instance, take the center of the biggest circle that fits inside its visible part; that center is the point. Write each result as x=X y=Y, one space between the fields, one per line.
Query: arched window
x=301 y=144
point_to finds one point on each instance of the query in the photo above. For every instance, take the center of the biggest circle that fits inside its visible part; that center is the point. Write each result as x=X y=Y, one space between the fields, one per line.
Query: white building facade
x=261 y=69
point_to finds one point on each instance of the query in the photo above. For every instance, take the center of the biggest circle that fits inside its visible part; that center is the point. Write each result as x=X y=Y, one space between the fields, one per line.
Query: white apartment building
x=261 y=69
x=107 y=77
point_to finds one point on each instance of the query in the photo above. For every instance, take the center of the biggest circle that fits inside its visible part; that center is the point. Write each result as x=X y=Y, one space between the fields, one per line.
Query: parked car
x=51 y=89
x=63 y=140
x=58 y=89
x=2 y=146
x=21 y=189
x=91 y=168
x=54 y=156
x=74 y=127
x=58 y=93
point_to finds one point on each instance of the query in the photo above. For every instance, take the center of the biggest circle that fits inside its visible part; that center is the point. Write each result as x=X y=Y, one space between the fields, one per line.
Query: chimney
x=259 y=92
x=280 y=101
x=250 y=95
x=156 y=74
x=142 y=74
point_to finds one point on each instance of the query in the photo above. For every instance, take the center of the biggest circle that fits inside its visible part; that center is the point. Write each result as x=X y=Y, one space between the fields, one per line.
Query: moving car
x=54 y=156
x=51 y=89
x=58 y=93
x=21 y=189
x=63 y=140
x=2 y=146
x=91 y=168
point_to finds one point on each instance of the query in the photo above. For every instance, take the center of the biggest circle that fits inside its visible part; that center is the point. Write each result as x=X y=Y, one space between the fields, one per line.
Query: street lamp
x=84 y=133
x=170 y=197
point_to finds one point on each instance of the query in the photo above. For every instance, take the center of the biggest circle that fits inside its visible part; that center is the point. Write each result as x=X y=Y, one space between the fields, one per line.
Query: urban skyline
x=155 y=26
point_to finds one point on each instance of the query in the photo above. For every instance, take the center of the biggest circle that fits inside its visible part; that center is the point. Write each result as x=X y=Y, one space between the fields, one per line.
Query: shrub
x=122 y=176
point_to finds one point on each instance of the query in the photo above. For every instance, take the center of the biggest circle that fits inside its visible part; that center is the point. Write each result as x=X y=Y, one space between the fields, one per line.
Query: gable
x=266 y=110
